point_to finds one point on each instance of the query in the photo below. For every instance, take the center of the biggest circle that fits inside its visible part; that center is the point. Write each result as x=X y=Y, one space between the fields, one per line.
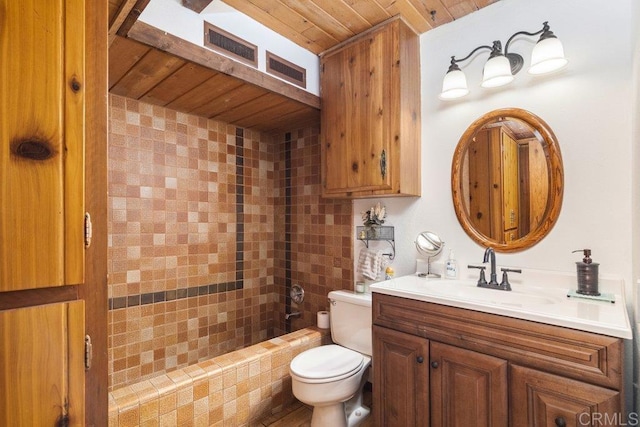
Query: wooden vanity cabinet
x=370 y=116
x=488 y=370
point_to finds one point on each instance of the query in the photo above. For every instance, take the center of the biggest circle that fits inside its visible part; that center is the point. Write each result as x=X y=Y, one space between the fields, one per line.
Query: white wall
x=588 y=106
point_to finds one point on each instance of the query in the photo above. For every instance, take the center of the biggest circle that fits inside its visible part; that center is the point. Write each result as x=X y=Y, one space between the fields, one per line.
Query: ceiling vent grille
x=226 y=43
x=286 y=70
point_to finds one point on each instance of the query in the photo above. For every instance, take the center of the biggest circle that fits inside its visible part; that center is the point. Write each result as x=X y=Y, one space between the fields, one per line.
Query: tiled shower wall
x=209 y=225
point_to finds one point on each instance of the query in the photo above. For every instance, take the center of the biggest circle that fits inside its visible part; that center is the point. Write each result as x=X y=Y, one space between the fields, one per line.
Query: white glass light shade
x=547 y=56
x=497 y=72
x=454 y=85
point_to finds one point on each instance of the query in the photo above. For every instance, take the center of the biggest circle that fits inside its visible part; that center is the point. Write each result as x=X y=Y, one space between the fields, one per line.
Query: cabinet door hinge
x=88 y=229
x=88 y=352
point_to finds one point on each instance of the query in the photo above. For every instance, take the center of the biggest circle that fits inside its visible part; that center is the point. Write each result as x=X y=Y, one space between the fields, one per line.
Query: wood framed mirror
x=507 y=180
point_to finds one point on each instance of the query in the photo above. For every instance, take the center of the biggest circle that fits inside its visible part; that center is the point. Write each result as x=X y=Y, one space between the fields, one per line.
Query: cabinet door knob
x=434 y=365
x=420 y=359
x=560 y=422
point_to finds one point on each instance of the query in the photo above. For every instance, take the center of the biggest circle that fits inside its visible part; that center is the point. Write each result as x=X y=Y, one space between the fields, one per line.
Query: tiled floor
x=299 y=415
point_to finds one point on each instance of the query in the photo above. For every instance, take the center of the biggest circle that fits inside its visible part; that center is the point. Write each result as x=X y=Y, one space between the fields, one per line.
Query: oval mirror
x=507 y=180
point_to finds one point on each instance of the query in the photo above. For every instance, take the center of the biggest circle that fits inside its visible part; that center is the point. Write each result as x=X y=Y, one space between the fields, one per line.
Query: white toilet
x=331 y=377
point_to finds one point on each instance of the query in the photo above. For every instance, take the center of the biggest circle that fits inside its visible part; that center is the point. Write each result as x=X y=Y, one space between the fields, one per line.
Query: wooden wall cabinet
x=370 y=115
x=488 y=370
x=53 y=65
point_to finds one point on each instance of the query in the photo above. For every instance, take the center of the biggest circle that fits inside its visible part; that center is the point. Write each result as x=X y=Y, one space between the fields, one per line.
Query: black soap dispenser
x=587 y=274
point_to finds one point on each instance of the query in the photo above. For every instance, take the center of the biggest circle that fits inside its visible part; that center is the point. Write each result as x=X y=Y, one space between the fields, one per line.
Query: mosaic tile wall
x=316 y=251
x=209 y=225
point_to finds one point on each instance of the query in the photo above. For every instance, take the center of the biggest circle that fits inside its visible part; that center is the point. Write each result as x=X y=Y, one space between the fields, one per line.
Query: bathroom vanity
x=448 y=353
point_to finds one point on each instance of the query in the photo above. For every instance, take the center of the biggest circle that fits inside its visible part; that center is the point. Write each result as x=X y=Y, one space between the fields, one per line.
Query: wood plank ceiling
x=165 y=77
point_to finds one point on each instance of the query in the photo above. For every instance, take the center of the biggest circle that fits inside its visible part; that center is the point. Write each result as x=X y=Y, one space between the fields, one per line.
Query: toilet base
x=342 y=414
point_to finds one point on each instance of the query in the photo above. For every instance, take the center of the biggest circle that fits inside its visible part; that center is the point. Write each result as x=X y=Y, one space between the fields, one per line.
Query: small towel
x=370 y=263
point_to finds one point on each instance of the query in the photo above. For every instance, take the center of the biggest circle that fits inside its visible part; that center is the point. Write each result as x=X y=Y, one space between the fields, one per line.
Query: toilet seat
x=326 y=363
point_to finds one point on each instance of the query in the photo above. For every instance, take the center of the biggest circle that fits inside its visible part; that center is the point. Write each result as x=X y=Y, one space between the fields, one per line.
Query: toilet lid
x=327 y=361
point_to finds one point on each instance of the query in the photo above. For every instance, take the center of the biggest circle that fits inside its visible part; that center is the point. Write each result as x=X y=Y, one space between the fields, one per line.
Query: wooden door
x=467 y=388
x=510 y=184
x=357 y=110
x=479 y=183
x=545 y=400
x=53 y=65
x=42 y=365
x=41 y=143
x=400 y=378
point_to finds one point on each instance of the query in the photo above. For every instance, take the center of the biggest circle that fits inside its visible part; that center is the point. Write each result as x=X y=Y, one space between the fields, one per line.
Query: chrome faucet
x=493 y=278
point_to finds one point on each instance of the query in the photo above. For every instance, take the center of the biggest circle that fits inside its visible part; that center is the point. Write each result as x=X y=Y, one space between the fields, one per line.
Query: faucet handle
x=482 y=280
x=505 y=279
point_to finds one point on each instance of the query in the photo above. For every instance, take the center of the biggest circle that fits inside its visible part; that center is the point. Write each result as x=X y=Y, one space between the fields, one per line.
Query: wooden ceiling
x=148 y=65
x=318 y=25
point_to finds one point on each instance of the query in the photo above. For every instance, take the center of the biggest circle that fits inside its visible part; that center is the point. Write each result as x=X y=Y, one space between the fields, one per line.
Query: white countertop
x=542 y=299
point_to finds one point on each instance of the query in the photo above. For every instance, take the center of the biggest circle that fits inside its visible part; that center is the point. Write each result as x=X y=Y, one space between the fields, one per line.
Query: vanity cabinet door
x=467 y=388
x=545 y=400
x=401 y=378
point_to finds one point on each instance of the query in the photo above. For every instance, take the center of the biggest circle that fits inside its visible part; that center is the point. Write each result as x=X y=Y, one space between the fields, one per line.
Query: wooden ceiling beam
x=123 y=11
x=125 y=17
x=154 y=37
x=196 y=5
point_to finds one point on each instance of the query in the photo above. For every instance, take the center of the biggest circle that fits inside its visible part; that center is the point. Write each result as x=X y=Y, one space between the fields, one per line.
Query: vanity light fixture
x=547 y=56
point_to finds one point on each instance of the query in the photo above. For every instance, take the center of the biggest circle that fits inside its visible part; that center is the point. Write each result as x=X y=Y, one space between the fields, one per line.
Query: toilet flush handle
x=331 y=301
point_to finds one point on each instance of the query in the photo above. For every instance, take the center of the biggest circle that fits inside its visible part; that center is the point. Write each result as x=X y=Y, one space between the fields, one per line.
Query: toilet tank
x=351 y=320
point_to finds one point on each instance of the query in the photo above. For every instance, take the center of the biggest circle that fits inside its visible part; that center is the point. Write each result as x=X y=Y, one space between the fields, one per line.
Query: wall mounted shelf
x=381 y=232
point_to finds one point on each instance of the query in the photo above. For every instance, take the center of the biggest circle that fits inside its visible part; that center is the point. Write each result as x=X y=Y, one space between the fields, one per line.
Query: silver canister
x=587 y=278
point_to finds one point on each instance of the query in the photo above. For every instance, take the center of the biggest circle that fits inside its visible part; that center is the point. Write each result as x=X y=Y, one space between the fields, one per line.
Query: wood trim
x=74 y=129
x=123 y=12
x=367 y=33
x=571 y=353
x=94 y=290
x=132 y=17
x=26 y=298
x=154 y=37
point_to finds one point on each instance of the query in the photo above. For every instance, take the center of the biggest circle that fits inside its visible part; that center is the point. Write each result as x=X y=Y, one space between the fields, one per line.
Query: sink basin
x=469 y=291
